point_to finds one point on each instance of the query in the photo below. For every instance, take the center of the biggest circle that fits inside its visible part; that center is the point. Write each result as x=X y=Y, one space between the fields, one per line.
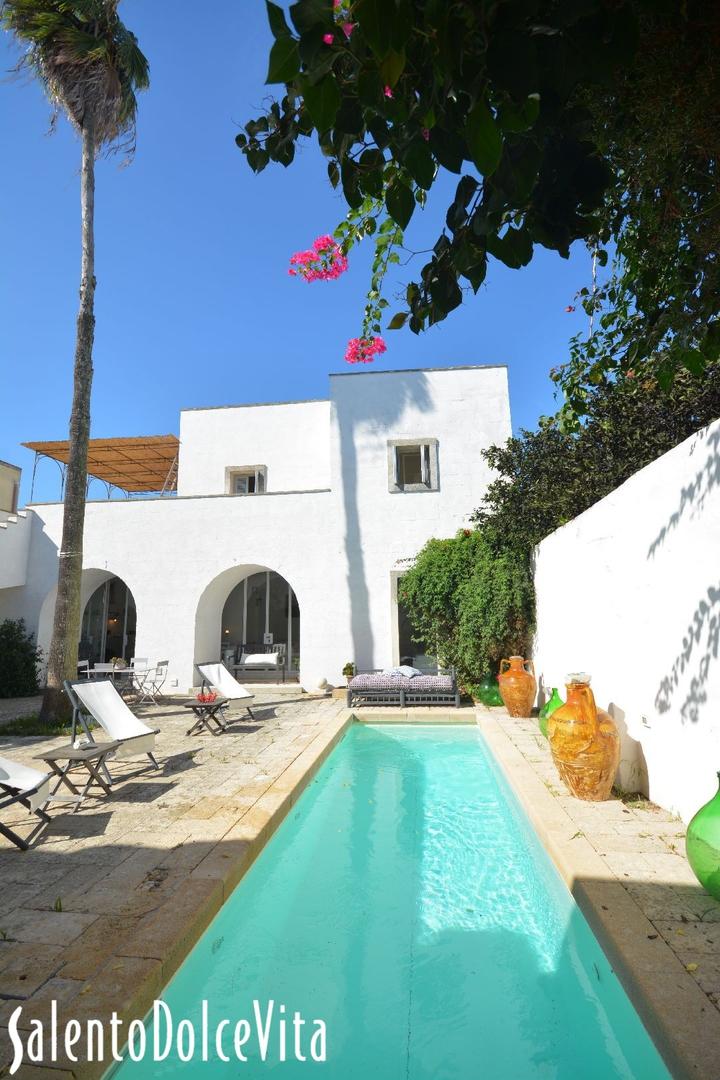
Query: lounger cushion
x=218 y=676
x=24 y=778
x=102 y=701
x=429 y=684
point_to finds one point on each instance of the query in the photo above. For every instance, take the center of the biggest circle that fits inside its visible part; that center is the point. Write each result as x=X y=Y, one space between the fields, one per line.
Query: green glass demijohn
x=553 y=702
x=702 y=844
x=488 y=691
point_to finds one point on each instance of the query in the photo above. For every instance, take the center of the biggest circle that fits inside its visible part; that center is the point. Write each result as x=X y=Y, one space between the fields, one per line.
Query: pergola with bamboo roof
x=139 y=464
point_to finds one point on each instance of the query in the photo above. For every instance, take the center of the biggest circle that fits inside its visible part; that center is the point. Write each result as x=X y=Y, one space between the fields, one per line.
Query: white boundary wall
x=630 y=591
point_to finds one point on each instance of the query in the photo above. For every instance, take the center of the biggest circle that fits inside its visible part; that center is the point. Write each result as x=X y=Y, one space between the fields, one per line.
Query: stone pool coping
x=677 y=1014
x=138 y=970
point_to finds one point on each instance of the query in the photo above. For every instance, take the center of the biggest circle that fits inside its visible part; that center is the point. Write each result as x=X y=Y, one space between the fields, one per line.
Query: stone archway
x=93 y=579
x=248 y=608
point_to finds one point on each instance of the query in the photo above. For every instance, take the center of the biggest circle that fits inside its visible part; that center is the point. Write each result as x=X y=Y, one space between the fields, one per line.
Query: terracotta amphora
x=517 y=685
x=584 y=742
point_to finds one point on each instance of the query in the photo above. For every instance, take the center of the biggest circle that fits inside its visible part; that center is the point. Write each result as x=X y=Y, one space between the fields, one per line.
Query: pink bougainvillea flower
x=387 y=91
x=347 y=28
x=328 y=39
x=425 y=134
x=363 y=350
x=324 y=261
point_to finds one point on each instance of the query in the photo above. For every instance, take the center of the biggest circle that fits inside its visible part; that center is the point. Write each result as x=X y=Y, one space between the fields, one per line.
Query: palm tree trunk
x=62 y=660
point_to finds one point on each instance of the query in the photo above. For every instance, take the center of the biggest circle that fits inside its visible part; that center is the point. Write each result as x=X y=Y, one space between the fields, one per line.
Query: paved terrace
x=103 y=910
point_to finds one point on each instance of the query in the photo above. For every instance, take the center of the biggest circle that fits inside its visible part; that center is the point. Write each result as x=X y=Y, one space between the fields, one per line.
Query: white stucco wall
x=630 y=591
x=339 y=548
x=170 y=551
x=291 y=440
x=466 y=410
x=14 y=549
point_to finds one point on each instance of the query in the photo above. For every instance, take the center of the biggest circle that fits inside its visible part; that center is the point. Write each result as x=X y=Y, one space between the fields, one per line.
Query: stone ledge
x=677 y=1014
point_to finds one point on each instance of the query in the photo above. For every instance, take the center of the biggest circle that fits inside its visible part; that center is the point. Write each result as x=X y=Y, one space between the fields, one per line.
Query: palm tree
x=91 y=68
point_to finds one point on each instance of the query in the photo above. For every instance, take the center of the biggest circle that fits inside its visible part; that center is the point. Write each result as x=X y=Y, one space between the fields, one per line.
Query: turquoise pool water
x=408 y=904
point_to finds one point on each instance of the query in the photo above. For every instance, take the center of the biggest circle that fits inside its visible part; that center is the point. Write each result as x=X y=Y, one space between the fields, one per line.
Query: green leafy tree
x=658 y=128
x=91 y=67
x=472 y=599
x=547 y=477
x=564 y=121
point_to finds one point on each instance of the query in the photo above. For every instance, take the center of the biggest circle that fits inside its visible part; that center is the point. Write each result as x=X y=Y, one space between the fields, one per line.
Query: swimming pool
x=407 y=903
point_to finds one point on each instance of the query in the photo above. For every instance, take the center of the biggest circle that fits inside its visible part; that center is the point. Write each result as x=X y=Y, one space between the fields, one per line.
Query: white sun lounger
x=28 y=787
x=101 y=701
x=219 y=678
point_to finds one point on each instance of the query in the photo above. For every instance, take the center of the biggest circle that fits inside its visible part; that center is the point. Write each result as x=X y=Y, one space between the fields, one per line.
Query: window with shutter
x=248 y=480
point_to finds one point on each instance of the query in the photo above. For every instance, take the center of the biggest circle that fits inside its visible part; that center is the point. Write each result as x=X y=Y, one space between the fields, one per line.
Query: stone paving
x=108 y=898
x=87 y=892
x=643 y=847
x=16 y=707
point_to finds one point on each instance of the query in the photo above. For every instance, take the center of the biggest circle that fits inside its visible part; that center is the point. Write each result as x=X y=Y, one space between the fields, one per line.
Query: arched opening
x=108 y=623
x=261 y=613
x=248 y=608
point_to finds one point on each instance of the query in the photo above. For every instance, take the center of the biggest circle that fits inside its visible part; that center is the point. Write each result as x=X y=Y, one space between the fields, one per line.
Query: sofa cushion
x=429 y=684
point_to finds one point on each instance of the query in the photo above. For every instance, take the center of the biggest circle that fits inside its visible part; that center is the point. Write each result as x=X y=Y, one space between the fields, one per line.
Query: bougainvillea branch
x=324 y=261
x=327 y=259
x=363 y=350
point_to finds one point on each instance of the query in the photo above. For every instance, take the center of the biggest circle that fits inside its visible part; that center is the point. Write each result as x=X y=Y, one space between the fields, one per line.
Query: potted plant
x=349 y=670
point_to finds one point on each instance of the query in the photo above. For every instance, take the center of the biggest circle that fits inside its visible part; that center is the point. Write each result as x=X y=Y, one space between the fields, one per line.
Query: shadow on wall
x=375 y=417
x=700 y=647
x=693 y=496
x=633 y=771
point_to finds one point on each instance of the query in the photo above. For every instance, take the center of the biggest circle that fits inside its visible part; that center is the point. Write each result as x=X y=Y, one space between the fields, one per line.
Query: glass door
x=108 y=624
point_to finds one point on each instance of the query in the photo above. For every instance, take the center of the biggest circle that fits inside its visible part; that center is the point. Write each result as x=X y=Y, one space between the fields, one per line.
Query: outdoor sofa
x=253 y=658
x=377 y=687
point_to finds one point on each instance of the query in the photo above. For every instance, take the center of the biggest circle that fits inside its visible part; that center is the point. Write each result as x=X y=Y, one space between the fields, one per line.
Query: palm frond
x=89 y=62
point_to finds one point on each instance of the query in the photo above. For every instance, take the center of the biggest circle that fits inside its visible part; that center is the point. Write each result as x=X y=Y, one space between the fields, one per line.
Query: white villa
x=286 y=523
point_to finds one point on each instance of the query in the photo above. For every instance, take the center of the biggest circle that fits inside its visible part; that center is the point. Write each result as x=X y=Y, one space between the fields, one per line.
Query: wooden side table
x=206 y=713
x=91 y=757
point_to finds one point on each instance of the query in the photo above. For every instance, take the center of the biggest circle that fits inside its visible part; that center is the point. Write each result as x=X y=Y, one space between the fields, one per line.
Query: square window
x=413 y=465
x=247 y=481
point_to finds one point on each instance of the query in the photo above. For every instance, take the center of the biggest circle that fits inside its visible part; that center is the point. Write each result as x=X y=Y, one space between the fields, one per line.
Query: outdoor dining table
x=206 y=713
x=122 y=677
x=92 y=757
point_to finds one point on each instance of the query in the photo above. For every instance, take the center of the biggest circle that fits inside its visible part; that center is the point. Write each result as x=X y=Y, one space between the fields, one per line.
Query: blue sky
x=194 y=304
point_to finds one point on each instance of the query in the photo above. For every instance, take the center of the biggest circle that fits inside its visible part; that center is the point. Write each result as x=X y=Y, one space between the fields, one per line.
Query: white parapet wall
x=630 y=592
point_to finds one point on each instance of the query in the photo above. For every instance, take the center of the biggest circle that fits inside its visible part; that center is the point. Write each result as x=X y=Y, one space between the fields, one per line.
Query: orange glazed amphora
x=584 y=743
x=517 y=685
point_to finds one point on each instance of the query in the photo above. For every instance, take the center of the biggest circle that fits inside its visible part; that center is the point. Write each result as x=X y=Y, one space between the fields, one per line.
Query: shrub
x=473 y=600
x=19 y=660
x=497 y=611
